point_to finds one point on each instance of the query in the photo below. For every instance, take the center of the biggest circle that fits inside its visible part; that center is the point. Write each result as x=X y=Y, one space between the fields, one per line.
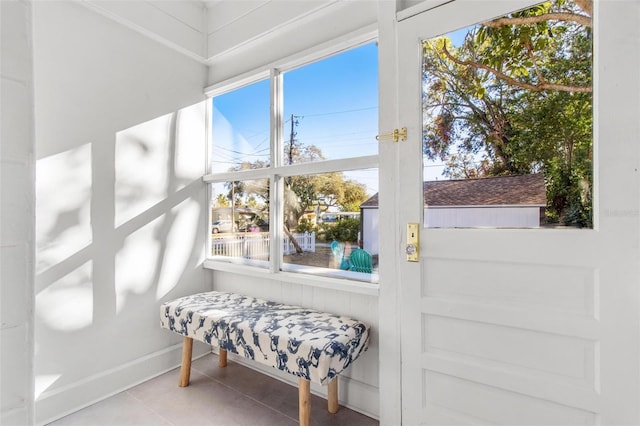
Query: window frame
x=277 y=171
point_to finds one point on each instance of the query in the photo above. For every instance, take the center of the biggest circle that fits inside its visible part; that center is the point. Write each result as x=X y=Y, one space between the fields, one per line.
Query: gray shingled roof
x=491 y=191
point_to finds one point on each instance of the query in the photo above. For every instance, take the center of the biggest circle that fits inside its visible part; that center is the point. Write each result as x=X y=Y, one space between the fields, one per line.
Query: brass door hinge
x=396 y=135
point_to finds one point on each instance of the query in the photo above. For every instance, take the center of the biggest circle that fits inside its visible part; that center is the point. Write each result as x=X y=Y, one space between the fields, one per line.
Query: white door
x=530 y=326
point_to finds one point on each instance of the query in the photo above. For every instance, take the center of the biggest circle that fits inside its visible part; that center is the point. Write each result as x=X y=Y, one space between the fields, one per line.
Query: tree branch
x=535 y=65
x=510 y=80
x=586 y=5
x=558 y=16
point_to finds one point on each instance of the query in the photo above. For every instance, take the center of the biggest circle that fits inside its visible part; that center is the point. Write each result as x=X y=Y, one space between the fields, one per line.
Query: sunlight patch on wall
x=44 y=382
x=142 y=167
x=181 y=240
x=138 y=263
x=190 y=163
x=156 y=159
x=63 y=200
x=67 y=304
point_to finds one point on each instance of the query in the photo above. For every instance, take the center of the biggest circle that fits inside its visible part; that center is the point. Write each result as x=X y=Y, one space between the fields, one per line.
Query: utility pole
x=233 y=206
x=292 y=136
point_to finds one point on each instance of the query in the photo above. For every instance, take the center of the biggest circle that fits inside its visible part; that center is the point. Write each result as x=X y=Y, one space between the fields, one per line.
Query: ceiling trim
x=143 y=31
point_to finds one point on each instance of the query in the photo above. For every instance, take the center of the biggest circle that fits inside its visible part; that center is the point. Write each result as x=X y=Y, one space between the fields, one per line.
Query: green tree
x=515 y=98
x=222 y=201
x=345 y=230
x=354 y=195
x=302 y=193
x=249 y=193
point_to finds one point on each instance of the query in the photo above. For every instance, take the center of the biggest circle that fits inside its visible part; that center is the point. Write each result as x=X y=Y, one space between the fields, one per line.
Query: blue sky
x=335 y=102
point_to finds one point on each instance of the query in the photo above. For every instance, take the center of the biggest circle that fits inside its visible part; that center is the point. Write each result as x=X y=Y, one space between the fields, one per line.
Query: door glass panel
x=507 y=122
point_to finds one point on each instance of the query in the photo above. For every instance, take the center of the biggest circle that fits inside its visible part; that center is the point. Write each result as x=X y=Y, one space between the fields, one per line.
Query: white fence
x=252 y=245
x=306 y=241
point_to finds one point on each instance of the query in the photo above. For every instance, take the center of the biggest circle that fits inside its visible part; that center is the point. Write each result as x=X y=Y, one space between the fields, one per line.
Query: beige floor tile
x=119 y=410
x=231 y=396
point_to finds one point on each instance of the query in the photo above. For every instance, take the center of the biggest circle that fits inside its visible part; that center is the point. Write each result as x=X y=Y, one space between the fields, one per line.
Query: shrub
x=345 y=230
x=305 y=226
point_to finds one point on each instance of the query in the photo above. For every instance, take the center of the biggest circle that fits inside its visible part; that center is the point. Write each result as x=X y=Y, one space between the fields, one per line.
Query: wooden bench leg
x=185 y=368
x=332 y=396
x=222 y=358
x=304 y=401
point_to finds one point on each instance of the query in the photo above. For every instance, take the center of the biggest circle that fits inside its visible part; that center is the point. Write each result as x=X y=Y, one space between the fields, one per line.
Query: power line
x=254 y=154
x=340 y=112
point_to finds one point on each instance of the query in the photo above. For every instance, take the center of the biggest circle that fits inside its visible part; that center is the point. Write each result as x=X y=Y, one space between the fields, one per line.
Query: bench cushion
x=304 y=342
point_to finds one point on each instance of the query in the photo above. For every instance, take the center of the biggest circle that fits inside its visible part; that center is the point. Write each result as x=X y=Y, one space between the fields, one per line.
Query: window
x=293 y=159
x=508 y=128
x=240 y=131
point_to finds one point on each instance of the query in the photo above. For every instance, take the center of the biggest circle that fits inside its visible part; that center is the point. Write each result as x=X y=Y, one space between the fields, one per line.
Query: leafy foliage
x=345 y=230
x=302 y=193
x=305 y=226
x=222 y=201
x=515 y=98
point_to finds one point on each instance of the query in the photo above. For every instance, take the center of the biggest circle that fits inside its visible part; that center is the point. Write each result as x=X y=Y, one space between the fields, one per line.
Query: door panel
x=505 y=338
x=511 y=326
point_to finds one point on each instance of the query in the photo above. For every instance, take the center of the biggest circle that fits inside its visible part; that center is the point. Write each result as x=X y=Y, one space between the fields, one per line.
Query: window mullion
x=207 y=167
x=328 y=166
x=277 y=111
x=276 y=195
x=237 y=175
x=276 y=220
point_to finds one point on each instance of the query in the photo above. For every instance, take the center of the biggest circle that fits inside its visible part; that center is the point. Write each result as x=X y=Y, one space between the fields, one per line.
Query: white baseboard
x=57 y=403
x=353 y=394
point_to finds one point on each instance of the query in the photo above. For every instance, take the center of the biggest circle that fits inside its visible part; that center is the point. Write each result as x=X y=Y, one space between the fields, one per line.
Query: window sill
x=336 y=281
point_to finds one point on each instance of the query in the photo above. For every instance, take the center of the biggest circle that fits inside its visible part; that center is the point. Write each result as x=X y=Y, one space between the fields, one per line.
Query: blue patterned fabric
x=306 y=343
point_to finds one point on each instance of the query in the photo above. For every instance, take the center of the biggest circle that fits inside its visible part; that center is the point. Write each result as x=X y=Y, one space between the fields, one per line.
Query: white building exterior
x=494 y=202
x=515 y=201
x=482 y=217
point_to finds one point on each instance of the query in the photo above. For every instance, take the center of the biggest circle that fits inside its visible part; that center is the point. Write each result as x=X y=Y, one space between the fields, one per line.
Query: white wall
x=121 y=214
x=17 y=219
x=358 y=386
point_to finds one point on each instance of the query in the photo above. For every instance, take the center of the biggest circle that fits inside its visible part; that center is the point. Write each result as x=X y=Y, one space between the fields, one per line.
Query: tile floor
x=230 y=396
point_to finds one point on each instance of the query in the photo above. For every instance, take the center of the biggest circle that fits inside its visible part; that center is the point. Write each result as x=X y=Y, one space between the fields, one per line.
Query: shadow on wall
x=120 y=229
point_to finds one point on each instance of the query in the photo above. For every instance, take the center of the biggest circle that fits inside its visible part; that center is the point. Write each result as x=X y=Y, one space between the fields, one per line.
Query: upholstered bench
x=312 y=345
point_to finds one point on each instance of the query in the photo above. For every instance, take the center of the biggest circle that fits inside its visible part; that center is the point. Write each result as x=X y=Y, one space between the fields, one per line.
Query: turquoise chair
x=361 y=261
x=338 y=251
